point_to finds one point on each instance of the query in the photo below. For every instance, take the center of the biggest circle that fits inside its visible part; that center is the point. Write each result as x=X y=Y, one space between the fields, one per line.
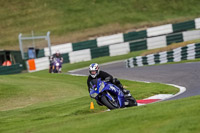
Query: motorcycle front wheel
x=108 y=103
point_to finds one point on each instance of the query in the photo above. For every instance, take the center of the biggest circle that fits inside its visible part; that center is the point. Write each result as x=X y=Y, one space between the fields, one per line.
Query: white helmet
x=94 y=70
x=57 y=52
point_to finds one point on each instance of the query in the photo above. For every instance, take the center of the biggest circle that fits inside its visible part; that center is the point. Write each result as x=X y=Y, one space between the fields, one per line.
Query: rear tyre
x=108 y=103
x=132 y=102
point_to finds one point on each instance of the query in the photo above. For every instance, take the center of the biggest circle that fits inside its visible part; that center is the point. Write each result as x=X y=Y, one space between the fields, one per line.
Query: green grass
x=43 y=102
x=22 y=90
x=71 y=21
x=74 y=116
x=26 y=89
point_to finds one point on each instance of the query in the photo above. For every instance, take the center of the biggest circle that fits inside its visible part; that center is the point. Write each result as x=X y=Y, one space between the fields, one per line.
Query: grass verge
x=22 y=90
x=179 y=116
x=42 y=102
x=36 y=102
x=72 y=21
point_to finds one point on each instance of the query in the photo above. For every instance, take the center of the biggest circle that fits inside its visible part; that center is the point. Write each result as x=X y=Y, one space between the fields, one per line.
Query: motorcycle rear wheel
x=132 y=102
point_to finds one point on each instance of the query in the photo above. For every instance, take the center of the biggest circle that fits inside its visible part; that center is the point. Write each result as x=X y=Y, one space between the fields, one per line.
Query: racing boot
x=126 y=92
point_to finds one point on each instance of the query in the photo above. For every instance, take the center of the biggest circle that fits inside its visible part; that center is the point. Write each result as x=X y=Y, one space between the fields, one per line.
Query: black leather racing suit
x=103 y=75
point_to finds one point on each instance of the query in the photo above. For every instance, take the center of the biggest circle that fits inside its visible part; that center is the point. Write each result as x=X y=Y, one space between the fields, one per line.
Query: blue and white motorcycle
x=108 y=94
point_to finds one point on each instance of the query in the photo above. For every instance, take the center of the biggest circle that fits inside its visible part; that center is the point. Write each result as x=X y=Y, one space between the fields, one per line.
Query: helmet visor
x=93 y=72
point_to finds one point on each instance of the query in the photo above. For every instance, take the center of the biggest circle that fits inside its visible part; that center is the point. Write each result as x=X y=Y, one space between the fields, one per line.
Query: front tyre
x=108 y=103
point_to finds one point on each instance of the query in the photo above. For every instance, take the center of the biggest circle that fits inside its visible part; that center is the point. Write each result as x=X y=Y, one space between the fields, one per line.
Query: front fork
x=108 y=95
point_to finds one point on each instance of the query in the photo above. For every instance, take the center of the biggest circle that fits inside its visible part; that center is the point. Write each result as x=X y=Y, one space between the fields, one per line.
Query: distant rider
x=52 y=58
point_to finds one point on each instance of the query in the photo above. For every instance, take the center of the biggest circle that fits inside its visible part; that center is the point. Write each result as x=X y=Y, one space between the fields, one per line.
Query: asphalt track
x=184 y=74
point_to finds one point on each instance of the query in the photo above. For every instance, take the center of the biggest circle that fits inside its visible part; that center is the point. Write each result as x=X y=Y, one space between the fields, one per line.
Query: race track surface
x=184 y=74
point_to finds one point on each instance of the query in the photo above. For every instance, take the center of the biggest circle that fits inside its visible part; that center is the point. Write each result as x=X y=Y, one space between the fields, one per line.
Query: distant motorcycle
x=57 y=65
x=108 y=94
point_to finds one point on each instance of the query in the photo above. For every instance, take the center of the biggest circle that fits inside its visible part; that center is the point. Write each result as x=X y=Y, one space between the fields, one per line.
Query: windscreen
x=93 y=83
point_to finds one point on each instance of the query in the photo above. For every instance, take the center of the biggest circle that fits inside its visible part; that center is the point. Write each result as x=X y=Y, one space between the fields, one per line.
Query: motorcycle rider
x=95 y=72
x=55 y=56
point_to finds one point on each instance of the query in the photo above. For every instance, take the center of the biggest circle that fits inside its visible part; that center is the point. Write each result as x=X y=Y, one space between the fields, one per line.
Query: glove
x=108 y=79
x=116 y=81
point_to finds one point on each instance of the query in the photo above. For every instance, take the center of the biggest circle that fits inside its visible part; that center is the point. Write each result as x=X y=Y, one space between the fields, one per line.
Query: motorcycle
x=108 y=94
x=57 y=65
